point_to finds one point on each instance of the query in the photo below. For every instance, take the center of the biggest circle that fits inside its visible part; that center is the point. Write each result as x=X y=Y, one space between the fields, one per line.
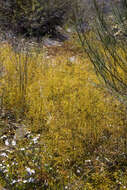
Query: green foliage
x=109 y=59
x=34 y=17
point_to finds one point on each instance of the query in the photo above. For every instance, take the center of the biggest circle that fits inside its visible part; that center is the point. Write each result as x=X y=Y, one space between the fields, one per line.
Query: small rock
x=72 y=59
x=20 y=133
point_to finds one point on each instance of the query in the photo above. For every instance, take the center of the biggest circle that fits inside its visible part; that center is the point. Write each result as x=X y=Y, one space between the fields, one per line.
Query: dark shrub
x=34 y=17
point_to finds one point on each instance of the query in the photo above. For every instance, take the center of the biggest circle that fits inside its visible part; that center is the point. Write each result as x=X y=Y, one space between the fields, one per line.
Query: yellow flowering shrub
x=60 y=98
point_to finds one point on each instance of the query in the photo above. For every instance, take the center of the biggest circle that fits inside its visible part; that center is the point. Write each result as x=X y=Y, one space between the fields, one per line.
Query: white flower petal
x=13 y=143
x=7 y=142
x=4 y=154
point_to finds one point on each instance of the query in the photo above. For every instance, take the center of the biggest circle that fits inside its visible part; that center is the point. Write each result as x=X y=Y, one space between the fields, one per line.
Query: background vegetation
x=35 y=18
x=109 y=33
